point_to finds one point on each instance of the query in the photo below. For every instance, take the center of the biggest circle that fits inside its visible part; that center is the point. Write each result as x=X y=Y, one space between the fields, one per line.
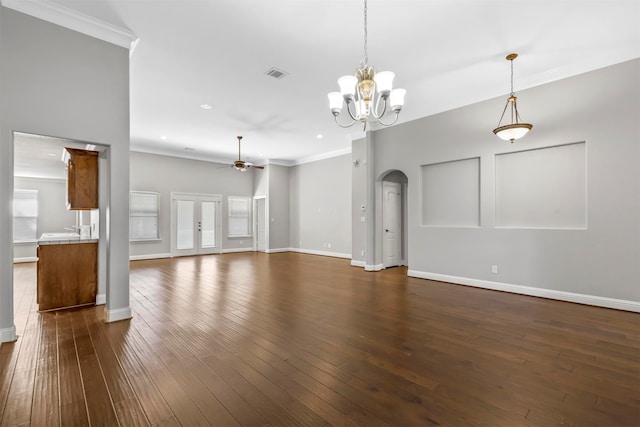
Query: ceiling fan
x=241 y=165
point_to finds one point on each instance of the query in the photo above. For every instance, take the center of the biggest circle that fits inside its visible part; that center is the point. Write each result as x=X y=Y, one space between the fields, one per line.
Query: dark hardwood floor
x=291 y=339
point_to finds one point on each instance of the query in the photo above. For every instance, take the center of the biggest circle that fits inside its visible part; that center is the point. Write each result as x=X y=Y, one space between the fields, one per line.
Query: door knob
x=387 y=230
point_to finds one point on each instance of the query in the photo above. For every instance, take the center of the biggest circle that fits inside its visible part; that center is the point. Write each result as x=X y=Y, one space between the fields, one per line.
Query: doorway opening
x=394 y=219
x=40 y=168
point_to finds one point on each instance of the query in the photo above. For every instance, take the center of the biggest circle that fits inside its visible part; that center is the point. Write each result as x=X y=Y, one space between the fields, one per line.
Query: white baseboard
x=117 y=314
x=25 y=259
x=531 y=291
x=376 y=267
x=149 y=256
x=8 y=334
x=277 y=250
x=355 y=263
x=101 y=299
x=322 y=253
x=235 y=250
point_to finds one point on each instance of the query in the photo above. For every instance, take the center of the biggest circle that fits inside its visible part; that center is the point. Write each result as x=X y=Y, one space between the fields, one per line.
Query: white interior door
x=392 y=223
x=195 y=223
x=261 y=229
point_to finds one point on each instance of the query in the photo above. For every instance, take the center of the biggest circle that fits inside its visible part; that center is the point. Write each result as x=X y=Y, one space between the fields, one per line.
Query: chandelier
x=367 y=95
x=516 y=129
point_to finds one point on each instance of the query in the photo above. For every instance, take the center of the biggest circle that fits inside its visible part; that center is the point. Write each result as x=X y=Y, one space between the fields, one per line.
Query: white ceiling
x=38 y=156
x=445 y=53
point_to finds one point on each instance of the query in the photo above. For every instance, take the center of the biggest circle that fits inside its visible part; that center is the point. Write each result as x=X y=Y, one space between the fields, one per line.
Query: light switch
x=361 y=219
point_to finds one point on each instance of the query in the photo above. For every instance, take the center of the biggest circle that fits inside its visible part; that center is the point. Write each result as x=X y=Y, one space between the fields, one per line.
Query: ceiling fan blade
x=257 y=167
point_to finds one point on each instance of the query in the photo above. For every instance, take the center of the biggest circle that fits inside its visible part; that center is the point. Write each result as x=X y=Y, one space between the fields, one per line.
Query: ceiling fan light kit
x=516 y=129
x=241 y=165
x=367 y=95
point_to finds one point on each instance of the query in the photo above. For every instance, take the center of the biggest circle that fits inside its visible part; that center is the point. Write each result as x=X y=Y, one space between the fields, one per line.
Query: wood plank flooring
x=288 y=339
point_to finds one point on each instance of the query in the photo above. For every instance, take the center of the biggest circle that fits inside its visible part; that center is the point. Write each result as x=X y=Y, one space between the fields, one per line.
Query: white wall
x=165 y=174
x=602 y=261
x=57 y=82
x=320 y=206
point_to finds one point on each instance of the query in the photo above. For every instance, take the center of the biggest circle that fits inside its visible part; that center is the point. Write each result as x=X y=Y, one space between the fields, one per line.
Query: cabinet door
x=67 y=275
x=82 y=179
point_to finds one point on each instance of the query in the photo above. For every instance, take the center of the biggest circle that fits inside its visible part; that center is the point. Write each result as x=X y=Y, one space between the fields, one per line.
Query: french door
x=195 y=224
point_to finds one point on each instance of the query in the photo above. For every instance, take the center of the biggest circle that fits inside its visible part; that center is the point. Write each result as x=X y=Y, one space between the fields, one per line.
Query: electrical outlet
x=329 y=245
x=241 y=242
x=362 y=252
x=494 y=269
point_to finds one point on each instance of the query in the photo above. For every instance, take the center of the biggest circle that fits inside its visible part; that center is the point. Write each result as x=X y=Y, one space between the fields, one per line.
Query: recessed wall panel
x=542 y=188
x=451 y=193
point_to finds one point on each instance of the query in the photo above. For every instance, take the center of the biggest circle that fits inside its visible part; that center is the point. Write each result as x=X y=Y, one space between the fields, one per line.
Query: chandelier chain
x=365 y=61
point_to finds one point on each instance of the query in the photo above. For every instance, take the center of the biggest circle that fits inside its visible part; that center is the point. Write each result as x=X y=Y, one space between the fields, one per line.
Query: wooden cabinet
x=82 y=179
x=67 y=275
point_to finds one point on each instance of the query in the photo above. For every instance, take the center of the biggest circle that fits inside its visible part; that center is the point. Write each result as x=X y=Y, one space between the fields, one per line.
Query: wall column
x=370 y=228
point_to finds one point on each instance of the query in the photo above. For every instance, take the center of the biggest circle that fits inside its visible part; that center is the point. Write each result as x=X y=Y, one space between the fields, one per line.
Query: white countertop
x=63 y=238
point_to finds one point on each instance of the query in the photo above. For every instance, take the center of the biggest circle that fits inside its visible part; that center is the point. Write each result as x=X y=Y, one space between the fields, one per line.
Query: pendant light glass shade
x=512 y=132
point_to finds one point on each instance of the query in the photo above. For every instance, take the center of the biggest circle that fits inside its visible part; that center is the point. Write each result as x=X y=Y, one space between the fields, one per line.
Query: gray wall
x=320 y=206
x=164 y=175
x=278 y=199
x=57 y=82
x=359 y=191
x=53 y=214
x=601 y=108
x=261 y=181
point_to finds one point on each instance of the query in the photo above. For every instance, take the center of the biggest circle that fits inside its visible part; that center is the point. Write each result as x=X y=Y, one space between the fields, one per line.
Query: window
x=144 y=209
x=239 y=216
x=25 y=215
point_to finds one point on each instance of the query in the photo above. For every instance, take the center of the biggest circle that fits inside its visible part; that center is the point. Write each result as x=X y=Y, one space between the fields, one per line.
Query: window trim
x=14 y=216
x=157 y=237
x=249 y=203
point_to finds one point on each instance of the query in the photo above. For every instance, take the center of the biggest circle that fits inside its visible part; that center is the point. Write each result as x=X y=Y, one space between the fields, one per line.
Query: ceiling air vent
x=276 y=73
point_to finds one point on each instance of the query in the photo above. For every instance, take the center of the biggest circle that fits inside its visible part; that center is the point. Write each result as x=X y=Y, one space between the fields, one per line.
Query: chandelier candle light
x=367 y=93
x=516 y=129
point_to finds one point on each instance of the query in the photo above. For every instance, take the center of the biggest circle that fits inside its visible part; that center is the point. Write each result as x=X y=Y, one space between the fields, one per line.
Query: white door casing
x=195 y=224
x=261 y=224
x=391 y=223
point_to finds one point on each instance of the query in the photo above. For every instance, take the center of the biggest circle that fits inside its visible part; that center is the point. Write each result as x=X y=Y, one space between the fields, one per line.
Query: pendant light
x=516 y=129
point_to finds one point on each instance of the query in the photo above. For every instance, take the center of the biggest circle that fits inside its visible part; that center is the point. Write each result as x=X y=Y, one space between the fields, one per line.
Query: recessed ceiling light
x=163 y=137
x=206 y=107
x=319 y=136
x=52 y=155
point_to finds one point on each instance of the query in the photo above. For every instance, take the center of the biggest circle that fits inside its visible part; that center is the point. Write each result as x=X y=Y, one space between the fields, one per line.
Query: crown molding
x=74 y=20
x=322 y=156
